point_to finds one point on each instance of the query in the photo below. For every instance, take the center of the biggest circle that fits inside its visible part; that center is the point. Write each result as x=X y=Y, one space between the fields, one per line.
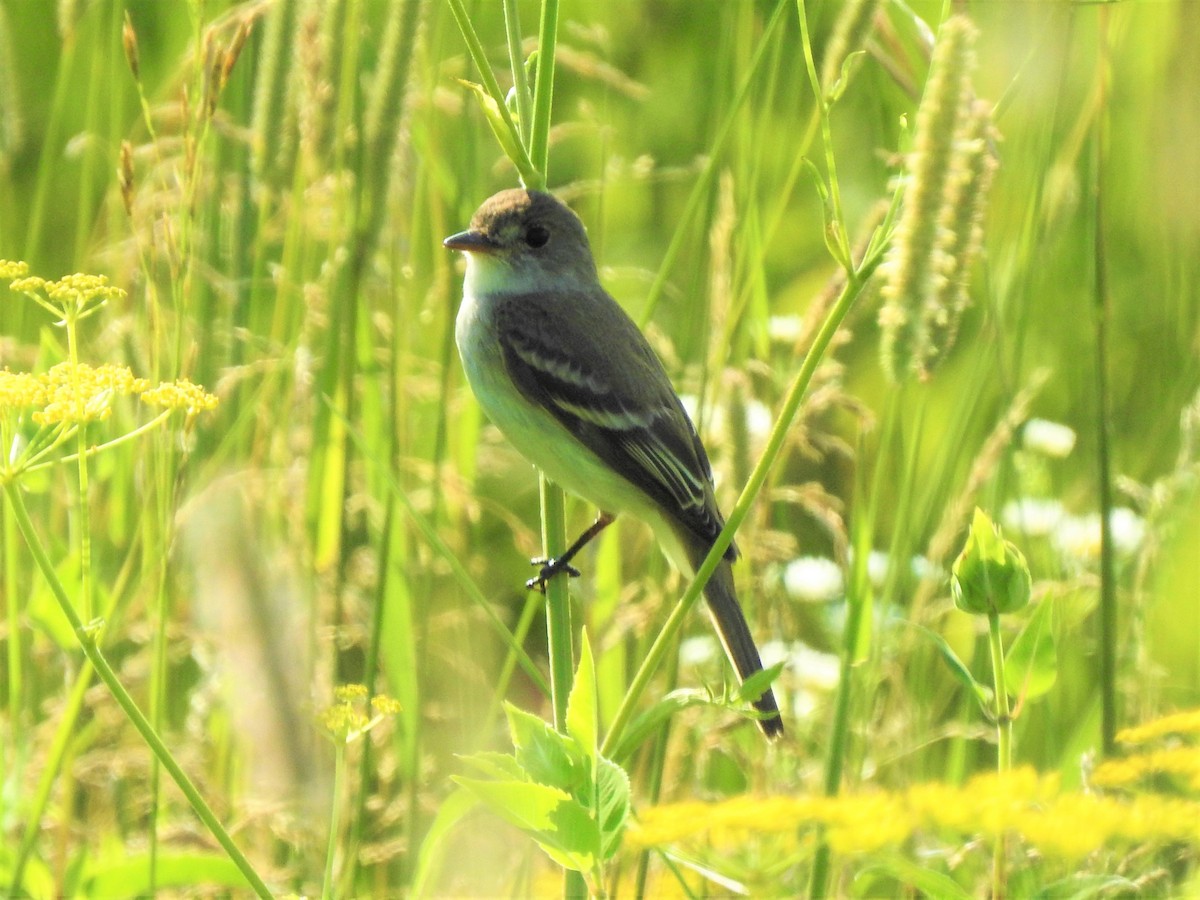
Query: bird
x=570 y=380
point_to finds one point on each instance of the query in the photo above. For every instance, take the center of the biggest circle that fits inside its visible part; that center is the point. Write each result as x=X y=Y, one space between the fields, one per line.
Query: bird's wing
x=623 y=410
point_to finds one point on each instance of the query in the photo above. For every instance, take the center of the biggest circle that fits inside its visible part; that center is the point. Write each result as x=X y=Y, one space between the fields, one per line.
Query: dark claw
x=550 y=568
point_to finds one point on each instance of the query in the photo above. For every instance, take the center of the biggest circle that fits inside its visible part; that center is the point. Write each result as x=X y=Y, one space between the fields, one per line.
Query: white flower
x=1128 y=530
x=696 y=651
x=1033 y=516
x=785 y=329
x=1079 y=536
x=813 y=579
x=879 y=561
x=1048 y=438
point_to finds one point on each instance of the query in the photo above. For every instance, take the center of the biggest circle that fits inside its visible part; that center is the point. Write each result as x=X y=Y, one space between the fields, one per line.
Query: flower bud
x=990 y=576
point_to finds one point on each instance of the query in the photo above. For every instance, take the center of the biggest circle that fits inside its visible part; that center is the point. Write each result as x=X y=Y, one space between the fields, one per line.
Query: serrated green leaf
x=559 y=824
x=529 y=806
x=581 y=704
x=1031 y=664
x=502 y=766
x=546 y=756
x=612 y=793
x=576 y=836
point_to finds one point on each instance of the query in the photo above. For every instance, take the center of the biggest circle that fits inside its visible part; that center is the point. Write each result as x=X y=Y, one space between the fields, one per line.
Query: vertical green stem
x=558 y=601
x=818 y=883
x=512 y=27
x=51 y=761
x=12 y=611
x=339 y=784
x=85 y=537
x=1108 y=587
x=554 y=517
x=1002 y=711
x=1003 y=738
x=543 y=90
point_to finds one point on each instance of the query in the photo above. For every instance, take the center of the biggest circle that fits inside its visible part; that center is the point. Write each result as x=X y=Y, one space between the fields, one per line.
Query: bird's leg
x=551 y=567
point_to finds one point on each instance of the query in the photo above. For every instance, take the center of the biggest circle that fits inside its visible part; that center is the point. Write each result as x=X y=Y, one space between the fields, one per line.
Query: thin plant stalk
x=512 y=28
x=52 y=763
x=86 y=635
x=335 y=808
x=543 y=89
x=856 y=604
x=558 y=602
x=1003 y=716
x=1103 y=307
x=554 y=508
x=791 y=405
x=713 y=158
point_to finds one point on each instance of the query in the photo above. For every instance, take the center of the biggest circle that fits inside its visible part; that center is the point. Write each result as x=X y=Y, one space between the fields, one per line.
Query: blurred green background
x=280 y=242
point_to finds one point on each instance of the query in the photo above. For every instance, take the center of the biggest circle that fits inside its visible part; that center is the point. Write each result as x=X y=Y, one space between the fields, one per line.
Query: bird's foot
x=549 y=568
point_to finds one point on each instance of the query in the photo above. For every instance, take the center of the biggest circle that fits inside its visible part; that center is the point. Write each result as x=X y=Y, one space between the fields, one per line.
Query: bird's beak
x=470 y=242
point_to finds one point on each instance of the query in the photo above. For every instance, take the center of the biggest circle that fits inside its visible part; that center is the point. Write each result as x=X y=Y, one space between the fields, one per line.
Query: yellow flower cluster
x=1061 y=824
x=1181 y=723
x=346 y=720
x=69 y=295
x=68 y=393
x=10 y=269
x=1180 y=761
x=1127 y=771
x=83 y=393
x=181 y=394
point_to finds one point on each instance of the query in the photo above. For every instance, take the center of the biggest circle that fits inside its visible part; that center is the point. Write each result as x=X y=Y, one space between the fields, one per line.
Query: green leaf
x=528 y=806
x=502 y=766
x=1031 y=664
x=43 y=606
x=723 y=774
x=646 y=722
x=959 y=669
x=756 y=685
x=612 y=796
x=509 y=141
x=928 y=882
x=130 y=876
x=581 y=704
x=561 y=826
x=546 y=756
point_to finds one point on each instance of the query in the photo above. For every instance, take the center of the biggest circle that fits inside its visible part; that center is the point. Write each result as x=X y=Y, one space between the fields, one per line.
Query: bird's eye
x=536 y=236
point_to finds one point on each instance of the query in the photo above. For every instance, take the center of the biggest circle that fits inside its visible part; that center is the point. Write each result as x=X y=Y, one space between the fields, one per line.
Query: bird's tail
x=739 y=644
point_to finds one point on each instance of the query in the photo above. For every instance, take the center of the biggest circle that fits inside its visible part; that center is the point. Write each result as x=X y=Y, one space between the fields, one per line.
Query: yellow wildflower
x=72 y=297
x=342 y=721
x=68 y=393
x=348 y=693
x=1183 y=761
x=10 y=269
x=1184 y=722
x=1062 y=824
x=21 y=390
x=181 y=394
x=347 y=720
x=383 y=705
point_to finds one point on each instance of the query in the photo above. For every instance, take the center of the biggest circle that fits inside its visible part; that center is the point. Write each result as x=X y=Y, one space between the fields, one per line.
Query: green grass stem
x=87 y=636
